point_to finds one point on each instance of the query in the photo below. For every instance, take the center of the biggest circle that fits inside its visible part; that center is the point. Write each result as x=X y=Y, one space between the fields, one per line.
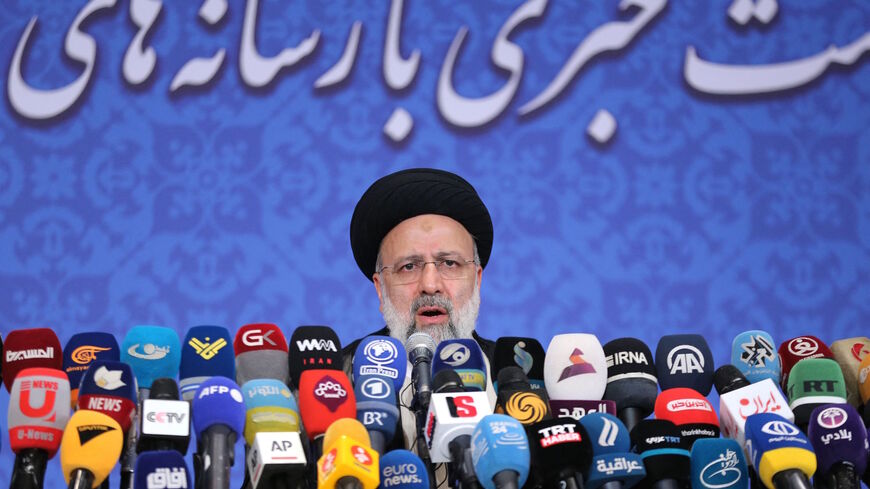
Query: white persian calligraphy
x=398 y=72
x=200 y=71
x=139 y=61
x=342 y=68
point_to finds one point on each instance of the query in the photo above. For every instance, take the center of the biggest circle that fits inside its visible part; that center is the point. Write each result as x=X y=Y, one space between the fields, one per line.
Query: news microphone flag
x=754 y=353
x=525 y=353
x=84 y=348
x=377 y=409
x=839 y=437
x=612 y=461
x=153 y=352
x=109 y=387
x=719 y=463
x=684 y=360
x=575 y=368
x=270 y=407
x=848 y=353
x=465 y=358
x=500 y=452
x=383 y=356
x=799 y=348
x=38 y=409
x=161 y=470
x=775 y=446
x=29 y=348
x=401 y=469
x=261 y=353
x=207 y=351
x=313 y=348
x=90 y=447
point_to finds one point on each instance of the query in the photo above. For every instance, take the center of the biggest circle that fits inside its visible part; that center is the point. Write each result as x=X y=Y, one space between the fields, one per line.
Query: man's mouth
x=429 y=314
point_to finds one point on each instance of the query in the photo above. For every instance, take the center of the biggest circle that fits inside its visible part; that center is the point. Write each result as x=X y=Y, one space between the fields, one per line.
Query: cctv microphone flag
x=90 y=447
x=314 y=347
x=261 y=353
x=207 y=351
x=611 y=461
x=718 y=463
x=38 y=409
x=754 y=353
x=848 y=353
x=29 y=348
x=662 y=450
x=558 y=449
x=839 y=439
x=811 y=383
x=270 y=407
x=377 y=409
x=383 y=356
x=465 y=358
x=525 y=353
x=401 y=469
x=684 y=360
x=324 y=396
x=153 y=352
x=775 y=445
x=631 y=379
x=690 y=411
x=500 y=452
x=109 y=387
x=165 y=469
x=84 y=348
x=575 y=368
x=799 y=348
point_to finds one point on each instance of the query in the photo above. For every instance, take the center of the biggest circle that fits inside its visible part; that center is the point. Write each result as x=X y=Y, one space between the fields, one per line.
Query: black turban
x=409 y=193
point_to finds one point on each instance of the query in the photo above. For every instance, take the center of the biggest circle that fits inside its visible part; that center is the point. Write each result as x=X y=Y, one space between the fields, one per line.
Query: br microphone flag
x=401 y=469
x=718 y=463
x=207 y=351
x=781 y=454
x=377 y=408
x=522 y=352
x=754 y=353
x=612 y=461
x=465 y=358
x=691 y=412
x=270 y=407
x=799 y=348
x=84 y=348
x=90 y=449
x=314 y=348
x=38 y=409
x=261 y=353
x=382 y=356
x=109 y=387
x=500 y=452
x=161 y=470
x=684 y=360
x=347 y=455
x=839 y=439
x=814 y=382
x=153 y=352
x=29 y=348
x=575 y=368
x=631 y=379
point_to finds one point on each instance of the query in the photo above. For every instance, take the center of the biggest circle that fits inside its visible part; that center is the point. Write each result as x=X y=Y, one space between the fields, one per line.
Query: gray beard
x=460 y=322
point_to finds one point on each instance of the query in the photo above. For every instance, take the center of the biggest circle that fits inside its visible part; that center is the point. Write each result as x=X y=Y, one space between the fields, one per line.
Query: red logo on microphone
x=45 y=410
x=360 y=454
x=330 y=393
x=461 y=407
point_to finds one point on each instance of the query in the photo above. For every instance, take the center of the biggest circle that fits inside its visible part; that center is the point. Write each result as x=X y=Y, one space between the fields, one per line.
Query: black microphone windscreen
x=665 y=455
x=513 y=378
x=631 y=375
x=728 y=378
x=447 y=381
x=525 y=353
x=164 y=388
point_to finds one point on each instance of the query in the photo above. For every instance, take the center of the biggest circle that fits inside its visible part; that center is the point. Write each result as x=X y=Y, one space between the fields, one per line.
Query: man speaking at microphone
x=423 y=237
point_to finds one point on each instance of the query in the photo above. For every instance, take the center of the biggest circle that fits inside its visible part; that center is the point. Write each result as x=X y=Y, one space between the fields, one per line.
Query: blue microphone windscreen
x=207 y=351
x=84 y=348
x=161 y=470
x=465 y=357
x=153 y=352
x=684 y=360
x=838 y=435
x=606 y=432
x=499 y=443
x=768 y=431
x=376 y=405
x=110 y=378
x=268 y=393
x=401 y=469
x=218 y=401
x=381 y=355
x=754 y=354
x=718 y=463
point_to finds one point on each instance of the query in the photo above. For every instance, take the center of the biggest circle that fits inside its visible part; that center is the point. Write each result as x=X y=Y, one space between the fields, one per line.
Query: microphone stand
x=29 y=472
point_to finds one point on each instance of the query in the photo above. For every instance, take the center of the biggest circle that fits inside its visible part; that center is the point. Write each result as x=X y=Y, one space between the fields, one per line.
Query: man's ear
x=479 y=275
x=376 y=279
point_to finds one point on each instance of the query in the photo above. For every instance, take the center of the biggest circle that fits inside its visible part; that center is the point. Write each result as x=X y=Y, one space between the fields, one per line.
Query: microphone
x=218 y=418
x=377 y=409
x=324 y=397
x=90 y=448
x=401 y=469
x=663 y=452
x=29 y=348
x=781 y=454
x=109 y=387
x=153 y=352
x=81 y=350
x=684 y=360
x=38 y=410
x=691 y=412
x=465 y=358
x=813 y=382
x=261 y=353
x=754 y=354
x=612 y=465
x=500 y=451
x=559 y=449
x=348 y=462
x=161 y=470
x=575 y=373
x=270 y=407
x=314 y=347
x=848 y=353
x=631 y=379
x=206 y=352
x=738 y=399
x=796 y=349
x=526 y=353
x=517 y=399
x=164 y=421
x=420 y=348
x=383 y=356
x=452 y=414
x=839 y=439
x=719 y=463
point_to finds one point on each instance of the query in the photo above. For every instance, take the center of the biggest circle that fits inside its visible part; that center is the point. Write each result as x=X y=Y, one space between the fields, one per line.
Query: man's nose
x=430 y=279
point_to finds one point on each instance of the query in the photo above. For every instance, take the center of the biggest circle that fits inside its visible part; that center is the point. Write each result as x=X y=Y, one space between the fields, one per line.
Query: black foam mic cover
x=164 y=388
x=728 y=378
x=447 y=381
x=525 y=353
x=631 y=375
x=313 y=347
x=665 y=455
x=559 y=449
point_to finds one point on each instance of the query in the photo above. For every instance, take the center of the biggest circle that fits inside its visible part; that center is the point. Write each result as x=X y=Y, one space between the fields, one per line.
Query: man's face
x=442 y=308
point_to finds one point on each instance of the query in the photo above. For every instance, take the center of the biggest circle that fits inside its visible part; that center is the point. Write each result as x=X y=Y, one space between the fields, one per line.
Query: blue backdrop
x=220 y=192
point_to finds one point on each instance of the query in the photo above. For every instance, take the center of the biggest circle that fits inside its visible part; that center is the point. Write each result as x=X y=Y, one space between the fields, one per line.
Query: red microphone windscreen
x=682 y=405
x=260 y=336
x=324 y=396
x=38 y=409
x=796 y=349
x=30 y=348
